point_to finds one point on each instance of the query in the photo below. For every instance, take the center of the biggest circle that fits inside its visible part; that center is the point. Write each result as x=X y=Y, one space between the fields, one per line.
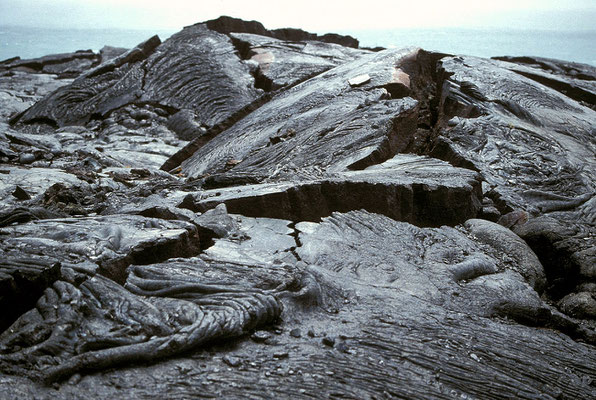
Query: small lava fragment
x=260 y=336
x=509 y=220
x=232 y=361
x=21 y=194
x=296 y=333
x=26 y=158
x=328 y=341
x=359 y=80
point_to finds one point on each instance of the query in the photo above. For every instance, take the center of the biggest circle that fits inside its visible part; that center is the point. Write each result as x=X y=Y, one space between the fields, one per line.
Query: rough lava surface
x=248 y=213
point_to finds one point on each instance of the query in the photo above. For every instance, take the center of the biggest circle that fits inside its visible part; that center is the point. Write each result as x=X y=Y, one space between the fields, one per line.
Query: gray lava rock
x=145 y=322
x=158 y=74
x=260 y=336
x=295 y=208
x=34 y=181
x=580 y=305
x=225 y=24
x=281 y=63
x=513 y=246
x=510 y=128
x=334 y=125
x=419 y=190
x=113 y=242
x=232 y=361
x=65 y=65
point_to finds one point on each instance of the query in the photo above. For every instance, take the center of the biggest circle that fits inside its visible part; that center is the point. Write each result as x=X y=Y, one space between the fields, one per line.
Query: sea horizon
x=574 y=46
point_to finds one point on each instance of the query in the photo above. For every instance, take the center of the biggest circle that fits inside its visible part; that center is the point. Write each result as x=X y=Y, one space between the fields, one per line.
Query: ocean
x=30 y=43
x=571 y=46
x=577 y=46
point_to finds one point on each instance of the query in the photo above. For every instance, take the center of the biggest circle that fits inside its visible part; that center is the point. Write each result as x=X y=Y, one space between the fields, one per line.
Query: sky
x=312 y=15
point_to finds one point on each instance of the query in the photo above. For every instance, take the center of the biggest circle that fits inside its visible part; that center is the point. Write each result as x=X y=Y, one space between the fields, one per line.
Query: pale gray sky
x=313 y=15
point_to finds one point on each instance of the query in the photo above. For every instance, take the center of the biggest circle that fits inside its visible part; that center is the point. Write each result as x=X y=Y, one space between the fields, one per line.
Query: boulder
x=523 y=258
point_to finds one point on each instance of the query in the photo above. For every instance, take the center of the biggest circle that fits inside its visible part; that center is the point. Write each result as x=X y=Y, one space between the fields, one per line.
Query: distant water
x=570 y=46
x=30 y=43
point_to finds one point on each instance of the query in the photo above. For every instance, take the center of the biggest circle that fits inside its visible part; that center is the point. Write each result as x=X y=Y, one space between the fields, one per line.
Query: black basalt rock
x=225 y=24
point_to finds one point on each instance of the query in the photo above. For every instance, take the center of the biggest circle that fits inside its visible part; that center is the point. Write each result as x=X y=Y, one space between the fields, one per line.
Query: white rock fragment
x=359 y=80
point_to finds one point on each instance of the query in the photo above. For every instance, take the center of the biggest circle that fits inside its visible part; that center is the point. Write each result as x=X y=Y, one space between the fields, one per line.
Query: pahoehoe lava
x=238 y=212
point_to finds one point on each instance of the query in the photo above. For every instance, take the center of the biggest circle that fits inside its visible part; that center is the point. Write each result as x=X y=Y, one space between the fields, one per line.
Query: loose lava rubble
x=245 y=213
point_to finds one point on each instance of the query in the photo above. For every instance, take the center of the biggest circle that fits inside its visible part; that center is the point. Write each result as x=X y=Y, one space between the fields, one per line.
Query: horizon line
x=356 y=29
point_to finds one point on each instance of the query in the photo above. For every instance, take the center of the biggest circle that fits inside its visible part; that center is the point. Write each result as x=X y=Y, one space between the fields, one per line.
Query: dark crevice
x=95 y=117
x=436 y=109
x=397 y=140
x=498 y=201
x=373 y=49
x=14 y=119
x=207 y=238
x=546 y=317
x=21 y=288
x=217 y=181
x=427 y=85
x=418 y=204
x=411 y=132
x=296 y=235
x=21 y=215
x=145 y=70
x=262 y=81
x=189 y=245
x=242 y=47
x=562 y=274
x=42 y=120
x=245 y=52
x=557 y=257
